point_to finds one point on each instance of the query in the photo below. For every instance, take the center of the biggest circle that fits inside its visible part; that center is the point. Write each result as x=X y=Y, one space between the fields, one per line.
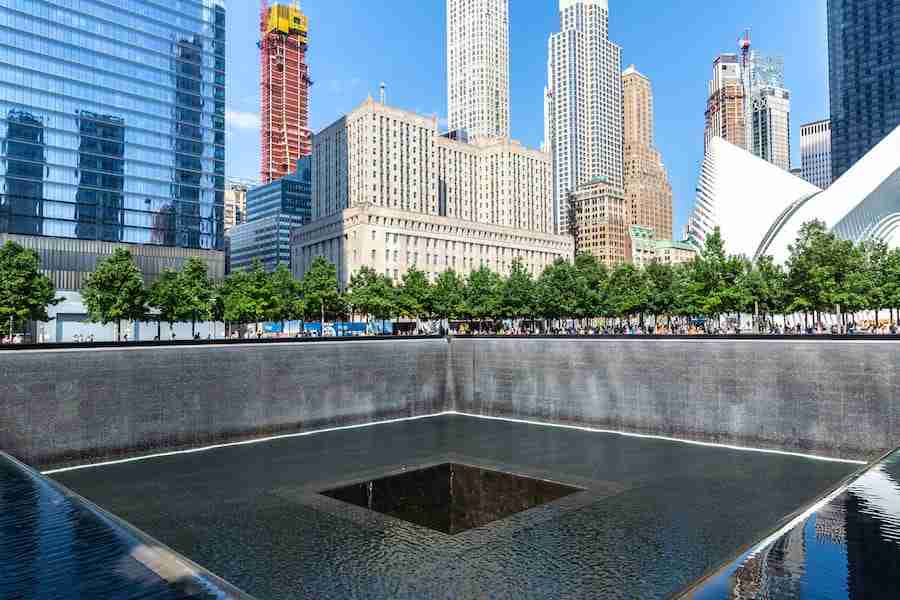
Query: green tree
x=115 y=291
x=892 y=283
x=556 y=294
x=517 y=293
x=481 y=296
x=165 y=295
x=826 y=273
x=447 y=296
x=592 y=276
x=25 y=292
x=876 y=256
x=372 y=294
x=234 y=301
x=627 y=291
x=414 y=295
x=660 y=281
x=287 y=296
x=763 y=284
x=320 y=288
x=195 y=291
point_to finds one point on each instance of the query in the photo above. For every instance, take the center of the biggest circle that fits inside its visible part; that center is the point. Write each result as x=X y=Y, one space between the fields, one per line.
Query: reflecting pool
x=649 y=516
x=847 y=549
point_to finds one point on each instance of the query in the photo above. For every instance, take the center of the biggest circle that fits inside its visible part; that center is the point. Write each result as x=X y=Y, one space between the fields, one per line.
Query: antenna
x=383 y=94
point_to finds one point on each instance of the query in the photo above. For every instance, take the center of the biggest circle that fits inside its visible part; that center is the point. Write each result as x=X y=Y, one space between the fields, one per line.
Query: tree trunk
x=118 y=330
x=194 y=327
x=159 y=329
x=322 y=318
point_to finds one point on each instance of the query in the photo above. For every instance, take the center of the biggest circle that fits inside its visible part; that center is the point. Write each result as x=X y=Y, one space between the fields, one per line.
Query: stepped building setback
x=647 y=184
x=583 y=102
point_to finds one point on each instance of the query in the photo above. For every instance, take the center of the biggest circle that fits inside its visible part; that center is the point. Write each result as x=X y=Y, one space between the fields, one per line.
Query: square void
x=451 y=497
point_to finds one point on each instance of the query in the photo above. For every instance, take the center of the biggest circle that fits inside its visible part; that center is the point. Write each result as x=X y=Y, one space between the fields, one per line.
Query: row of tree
x=823 y=275
x=115 y=292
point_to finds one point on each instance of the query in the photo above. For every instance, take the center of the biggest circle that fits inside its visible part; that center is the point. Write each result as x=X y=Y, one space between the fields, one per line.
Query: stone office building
x=442 y=203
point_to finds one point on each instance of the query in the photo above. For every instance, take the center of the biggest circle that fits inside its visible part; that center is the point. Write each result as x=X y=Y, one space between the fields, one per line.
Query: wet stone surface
x=649 y=517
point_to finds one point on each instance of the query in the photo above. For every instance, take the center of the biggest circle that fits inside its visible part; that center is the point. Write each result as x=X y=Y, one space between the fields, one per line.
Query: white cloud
x=237 y=119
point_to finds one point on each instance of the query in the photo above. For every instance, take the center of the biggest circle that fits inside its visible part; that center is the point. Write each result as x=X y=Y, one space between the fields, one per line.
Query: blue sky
x=355 y=44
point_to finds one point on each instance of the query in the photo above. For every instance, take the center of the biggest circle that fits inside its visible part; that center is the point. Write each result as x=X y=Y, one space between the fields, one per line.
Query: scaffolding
x=284 y=89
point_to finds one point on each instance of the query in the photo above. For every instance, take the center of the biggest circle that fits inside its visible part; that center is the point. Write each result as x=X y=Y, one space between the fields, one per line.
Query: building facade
x=769 y=110
x=864 y=77
x=647 y=249
x=815 y=153
x=112 y=130
x=273 y=210
x=647 y=184
x=598 y=222
x=379 y=157
x=478 y=67
x=392 y=241
x=726 y=115
x=583 y=110
x=284 y=89
x=393 y=158
x=235 y=204
x=760 y=209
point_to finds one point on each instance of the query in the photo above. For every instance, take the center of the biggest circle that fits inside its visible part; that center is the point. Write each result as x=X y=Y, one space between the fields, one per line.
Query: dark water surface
x=847 y=550
x=451 y=497
x=55 y=546
x=649 y=516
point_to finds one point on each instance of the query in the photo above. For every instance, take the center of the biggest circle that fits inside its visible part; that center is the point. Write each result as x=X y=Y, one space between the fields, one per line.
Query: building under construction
x=284 y=89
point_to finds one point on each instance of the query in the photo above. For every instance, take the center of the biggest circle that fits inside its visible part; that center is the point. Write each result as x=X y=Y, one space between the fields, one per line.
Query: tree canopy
x=25 y=292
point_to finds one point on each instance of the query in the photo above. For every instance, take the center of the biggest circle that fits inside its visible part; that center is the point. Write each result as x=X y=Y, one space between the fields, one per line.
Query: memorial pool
x=648 y=517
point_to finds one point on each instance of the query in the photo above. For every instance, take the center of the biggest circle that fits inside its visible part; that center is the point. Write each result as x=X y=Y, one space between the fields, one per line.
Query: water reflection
x=849 y=549
x=451 y=498
x=54 y=546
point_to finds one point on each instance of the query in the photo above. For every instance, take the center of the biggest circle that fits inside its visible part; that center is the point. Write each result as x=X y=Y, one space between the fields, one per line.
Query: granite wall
x=58 y=406
x=828 y=397
x=836 y=398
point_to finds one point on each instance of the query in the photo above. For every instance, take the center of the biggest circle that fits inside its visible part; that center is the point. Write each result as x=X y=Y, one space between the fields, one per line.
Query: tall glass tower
x=864 y=77
x=112 y=129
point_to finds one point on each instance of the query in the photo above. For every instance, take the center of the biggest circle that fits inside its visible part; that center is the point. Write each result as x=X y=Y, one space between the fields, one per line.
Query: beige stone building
x=646 y=181
x=726 y=115
x=392 y=241
x=598 y=221
x=235 y=204
x=492 y=195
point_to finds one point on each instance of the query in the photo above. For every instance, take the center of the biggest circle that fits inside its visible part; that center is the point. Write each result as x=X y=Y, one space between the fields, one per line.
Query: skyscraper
x=284 y=89
x=769 y=110
x=112 y=132
x=647 y=186
x=726 y=115
x=749 y=106
x=815 y=153
x=864 y=77
x=584 y=102
x=478 y=67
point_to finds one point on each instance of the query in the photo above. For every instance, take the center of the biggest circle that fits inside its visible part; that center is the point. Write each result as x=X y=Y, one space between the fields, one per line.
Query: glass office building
x=112 y=123
x=273 y=210
x=864 y=77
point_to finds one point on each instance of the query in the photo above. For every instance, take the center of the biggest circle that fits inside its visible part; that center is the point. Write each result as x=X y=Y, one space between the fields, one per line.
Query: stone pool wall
x=828 y=397
x=58 y=406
